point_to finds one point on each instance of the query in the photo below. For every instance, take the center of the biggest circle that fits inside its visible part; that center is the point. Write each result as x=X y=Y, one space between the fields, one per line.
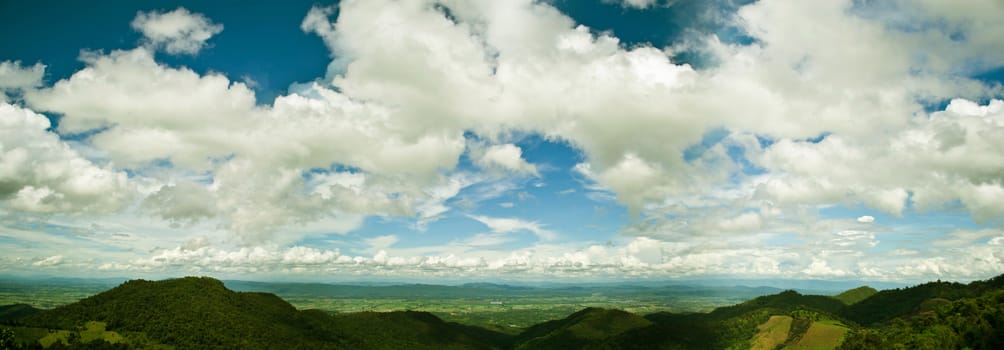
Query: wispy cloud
x=507 y=225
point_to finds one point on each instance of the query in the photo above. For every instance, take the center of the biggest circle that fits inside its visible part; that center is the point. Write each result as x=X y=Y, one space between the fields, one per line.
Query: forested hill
x=201 y=313
x=853 y=296
x=892 y=303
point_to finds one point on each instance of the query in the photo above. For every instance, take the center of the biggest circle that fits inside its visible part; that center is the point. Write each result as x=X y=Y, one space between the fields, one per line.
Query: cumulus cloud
x=867 y=219
x=176 y=32
x=745 y=222
x=15 y=78
x=383 y=133
x=222 y=130
x=952 y=155
x=508 y=157
x=42 y=174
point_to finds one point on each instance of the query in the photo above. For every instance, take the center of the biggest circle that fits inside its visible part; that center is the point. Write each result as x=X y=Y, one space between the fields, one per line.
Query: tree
x=6 y=339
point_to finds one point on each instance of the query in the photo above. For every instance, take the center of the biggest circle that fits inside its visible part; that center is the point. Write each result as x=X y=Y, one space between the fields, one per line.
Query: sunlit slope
x=853 y=296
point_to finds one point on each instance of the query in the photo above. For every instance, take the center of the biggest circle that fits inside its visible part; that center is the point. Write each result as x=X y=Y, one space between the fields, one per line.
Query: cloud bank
x=830 y=107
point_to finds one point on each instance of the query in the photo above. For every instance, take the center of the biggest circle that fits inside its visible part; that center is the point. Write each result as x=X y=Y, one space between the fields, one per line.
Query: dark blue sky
x=264 y=42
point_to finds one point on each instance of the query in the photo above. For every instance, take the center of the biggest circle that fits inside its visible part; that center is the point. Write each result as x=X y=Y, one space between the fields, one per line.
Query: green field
x=772 y=333
x=49 y=294
x=92 y=331
x=778 y=333
x=822 y=335
x=500 y=307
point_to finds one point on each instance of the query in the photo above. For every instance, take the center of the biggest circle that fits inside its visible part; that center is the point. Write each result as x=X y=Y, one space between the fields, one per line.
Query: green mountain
x=591 y=326
x=194 y=313
x=966 y=323
x=731 y=327
x=411 y=330
x=853 y=296
x=202 y=313
x=889 y=304
x=15 y=311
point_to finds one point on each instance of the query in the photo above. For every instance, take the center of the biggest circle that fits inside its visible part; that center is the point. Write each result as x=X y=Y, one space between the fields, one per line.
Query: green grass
x=855 y=295
x=822 y=335
x=772 y=333
x=92 y=331
x=53 y=337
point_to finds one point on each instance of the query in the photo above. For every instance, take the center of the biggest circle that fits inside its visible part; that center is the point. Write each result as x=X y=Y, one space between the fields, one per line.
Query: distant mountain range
x=202 y=313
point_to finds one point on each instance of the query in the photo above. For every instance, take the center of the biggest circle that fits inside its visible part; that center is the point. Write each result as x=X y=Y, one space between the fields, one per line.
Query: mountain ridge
x=201 y=312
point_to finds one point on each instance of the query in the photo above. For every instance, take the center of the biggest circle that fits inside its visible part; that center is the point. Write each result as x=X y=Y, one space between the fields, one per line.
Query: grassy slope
x=855 y=295
x=91 y=331
x=822 y=335
x=772 y=333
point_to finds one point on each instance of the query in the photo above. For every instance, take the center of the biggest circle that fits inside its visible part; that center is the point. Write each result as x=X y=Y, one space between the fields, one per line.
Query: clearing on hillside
x=772 y=333
x=92 y=331
x=822 y=335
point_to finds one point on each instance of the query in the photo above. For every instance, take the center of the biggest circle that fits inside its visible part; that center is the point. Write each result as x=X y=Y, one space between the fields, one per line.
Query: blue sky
x=579 y=140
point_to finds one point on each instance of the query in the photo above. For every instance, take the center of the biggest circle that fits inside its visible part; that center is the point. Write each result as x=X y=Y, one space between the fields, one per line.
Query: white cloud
x=380 y=243
x=639 y=4
x=506 y=225
x=965 y=238
x=40 y=173
x=383 y=134
x=745 y=222
x=137 y=97
x=867 y=219
x=50 y=261
x=508 y=157
x=222 y=130
x=996 y=241
x=819 y=268
x=949 y=156
x=15 y=78
x=177 y=32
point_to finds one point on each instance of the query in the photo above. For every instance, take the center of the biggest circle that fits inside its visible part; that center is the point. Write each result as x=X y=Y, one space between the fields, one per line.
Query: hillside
x=411 y=330
x=967 y=323
x=180 y=311
x=202 y=313
x=853 y=296
x=889 y=304
x=15 y=311
x=591 y=326
x=781 y=303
